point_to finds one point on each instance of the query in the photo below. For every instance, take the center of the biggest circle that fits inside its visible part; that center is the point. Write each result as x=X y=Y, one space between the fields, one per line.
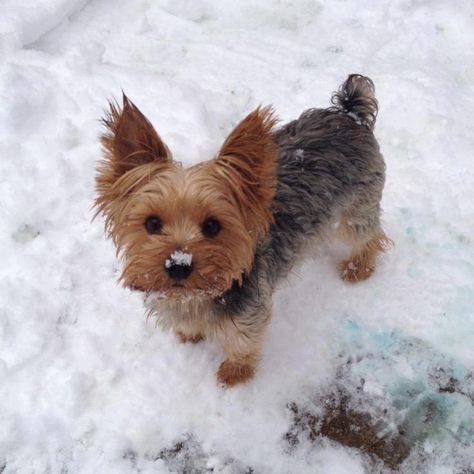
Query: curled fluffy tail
x=356 y=98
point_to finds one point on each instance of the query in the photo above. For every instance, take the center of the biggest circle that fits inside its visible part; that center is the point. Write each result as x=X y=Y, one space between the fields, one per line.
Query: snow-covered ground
x=354 y=378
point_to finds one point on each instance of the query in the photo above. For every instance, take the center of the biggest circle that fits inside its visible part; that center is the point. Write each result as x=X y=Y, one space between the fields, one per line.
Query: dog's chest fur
x=192 y=315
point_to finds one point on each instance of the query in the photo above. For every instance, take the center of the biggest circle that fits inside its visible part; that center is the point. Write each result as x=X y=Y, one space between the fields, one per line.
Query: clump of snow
x=178 y=257
x=299 y=153
x=354 y=117
x=89 y=385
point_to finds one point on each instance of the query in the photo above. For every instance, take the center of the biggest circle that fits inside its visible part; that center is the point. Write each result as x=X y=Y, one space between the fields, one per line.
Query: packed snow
x=354 y=379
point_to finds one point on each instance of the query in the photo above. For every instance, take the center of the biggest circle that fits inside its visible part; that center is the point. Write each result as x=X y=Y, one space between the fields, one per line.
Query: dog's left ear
x=130 y=140
x=248 y=163
x=133 y=151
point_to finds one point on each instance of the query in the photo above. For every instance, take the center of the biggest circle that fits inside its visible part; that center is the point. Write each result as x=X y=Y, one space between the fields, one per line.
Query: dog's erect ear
x=248 y=161
x=129 y=140
x=133 y=152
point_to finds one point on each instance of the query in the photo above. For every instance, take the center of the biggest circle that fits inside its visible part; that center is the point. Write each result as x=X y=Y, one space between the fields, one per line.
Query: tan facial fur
x=138 y=179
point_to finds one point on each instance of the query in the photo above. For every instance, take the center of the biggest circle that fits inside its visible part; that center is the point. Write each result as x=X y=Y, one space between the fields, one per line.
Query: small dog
x=208 y=244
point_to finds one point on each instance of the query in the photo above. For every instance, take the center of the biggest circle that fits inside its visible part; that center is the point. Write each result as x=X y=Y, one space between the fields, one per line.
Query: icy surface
x=88 y=385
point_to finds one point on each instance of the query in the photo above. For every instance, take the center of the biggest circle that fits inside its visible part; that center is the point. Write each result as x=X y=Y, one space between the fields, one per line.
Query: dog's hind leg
x=360 y=228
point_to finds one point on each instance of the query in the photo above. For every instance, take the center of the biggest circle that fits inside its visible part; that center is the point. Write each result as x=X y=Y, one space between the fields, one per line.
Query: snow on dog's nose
x=179 y=265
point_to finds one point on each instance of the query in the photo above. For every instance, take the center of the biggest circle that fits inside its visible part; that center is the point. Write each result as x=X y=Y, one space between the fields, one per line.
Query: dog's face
x=185 y=231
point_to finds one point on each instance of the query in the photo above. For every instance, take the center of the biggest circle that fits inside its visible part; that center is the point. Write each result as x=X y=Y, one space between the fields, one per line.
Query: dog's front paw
x=231 y=373
x=185 y=338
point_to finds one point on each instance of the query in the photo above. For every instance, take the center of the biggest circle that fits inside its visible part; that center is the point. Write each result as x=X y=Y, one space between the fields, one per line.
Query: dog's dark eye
x=153 y=225
x=211 y=227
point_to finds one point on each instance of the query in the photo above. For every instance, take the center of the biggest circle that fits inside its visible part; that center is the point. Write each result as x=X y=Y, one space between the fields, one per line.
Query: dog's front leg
x=243 y=338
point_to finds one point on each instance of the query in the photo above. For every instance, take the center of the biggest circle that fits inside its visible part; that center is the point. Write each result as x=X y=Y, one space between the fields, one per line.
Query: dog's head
x=185 y=231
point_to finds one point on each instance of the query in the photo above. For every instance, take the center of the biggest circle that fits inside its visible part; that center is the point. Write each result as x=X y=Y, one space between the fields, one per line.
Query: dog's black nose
x=178 y=271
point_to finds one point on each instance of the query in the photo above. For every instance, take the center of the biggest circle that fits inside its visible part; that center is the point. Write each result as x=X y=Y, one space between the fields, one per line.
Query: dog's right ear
x=129 y=141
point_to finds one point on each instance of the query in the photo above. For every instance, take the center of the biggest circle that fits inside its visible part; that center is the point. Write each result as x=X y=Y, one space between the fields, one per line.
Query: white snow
x=88 y=384
x=354 y=117
x=178 y=257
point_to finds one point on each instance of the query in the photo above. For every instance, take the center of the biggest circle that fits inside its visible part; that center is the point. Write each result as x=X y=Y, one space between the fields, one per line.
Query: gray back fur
x=329 y=164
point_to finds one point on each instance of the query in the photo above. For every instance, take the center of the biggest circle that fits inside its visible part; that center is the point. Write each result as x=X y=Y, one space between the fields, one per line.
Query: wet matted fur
x=271 y=191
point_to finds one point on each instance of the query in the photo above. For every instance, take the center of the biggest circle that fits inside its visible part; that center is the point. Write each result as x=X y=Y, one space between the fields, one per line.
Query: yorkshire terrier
x=208 y=244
